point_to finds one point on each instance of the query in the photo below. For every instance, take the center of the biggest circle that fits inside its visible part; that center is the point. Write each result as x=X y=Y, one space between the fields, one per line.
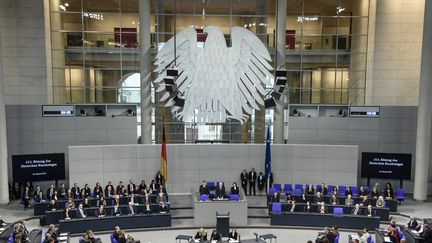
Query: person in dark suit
x=252 y=179
x=412 y=224
x=427 y=234
x=163 y=208
x=76 y=190
x=50 y=192
x=62 y=191
x=275 y=197
x=369 y=211
x=131 y=209
x=356 y=210
x=203 y=189
x=388 y=192
x=142 y=187
x=131 y=188
x=26 y=197
x=233 y=235
x=310 y=190
x=80 y=213
x=244 y=181
x=87 y=190
x=261 y=182
x=120 y=189
x=290 y=199
x=97 y=189
x=323 y=189
x=101 y=212
x=160 y=180
x=215 y=236
x=69 y=195
x=154 y=187
x=201 y=235
x=348 y=191
x=322 y=208
x=220 y=190
x=40 y=197
x=318 y=199
x=116 y=211
x=365 y=202
x=109 y=190
x=234 y=189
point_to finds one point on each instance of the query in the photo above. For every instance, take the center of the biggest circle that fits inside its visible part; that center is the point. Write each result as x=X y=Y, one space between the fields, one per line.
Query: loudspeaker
x=276 y=95
x=169 y=80
x=172 y=72
x=281 y=81
x=179 y=101
x=269 y=102
x=282 y=72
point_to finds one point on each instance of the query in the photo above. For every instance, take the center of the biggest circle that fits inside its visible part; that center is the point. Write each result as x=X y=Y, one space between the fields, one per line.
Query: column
x=145 y=70
x=424 y=117
x=278 y=116
x=4 y=178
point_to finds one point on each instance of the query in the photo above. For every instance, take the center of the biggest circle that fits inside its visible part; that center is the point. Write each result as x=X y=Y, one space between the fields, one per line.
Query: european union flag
x=268 y=156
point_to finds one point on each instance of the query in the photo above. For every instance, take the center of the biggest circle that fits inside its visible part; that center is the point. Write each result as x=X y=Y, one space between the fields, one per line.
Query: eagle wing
x=186 y=53
x=250 y=59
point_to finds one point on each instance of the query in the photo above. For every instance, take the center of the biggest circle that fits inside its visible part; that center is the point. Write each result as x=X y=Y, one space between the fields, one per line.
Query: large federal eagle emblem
x=215 y=82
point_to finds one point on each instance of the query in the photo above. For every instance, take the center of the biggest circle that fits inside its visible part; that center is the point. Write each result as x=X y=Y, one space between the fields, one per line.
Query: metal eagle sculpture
x=217 y=82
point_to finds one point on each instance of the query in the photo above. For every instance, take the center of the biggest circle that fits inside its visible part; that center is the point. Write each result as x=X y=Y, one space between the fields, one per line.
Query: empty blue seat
x=276 y=207
x=288 y=188
x=318 y=187
x=369 y=239
x=354 y=190
x=113 y=240
x=367 y=189
x=298 y=186
x=278 y=187
x=234 y=197
x=342 y=190
x=298 y=191
x=330 y=189
x=210 y=184
x=204 y=197
x=338 y=210
x=272 y=191
x=400 y=194
x=336 y=240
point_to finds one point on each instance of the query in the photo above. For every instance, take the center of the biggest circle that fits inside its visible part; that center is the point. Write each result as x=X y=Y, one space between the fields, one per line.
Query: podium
x=222 y=224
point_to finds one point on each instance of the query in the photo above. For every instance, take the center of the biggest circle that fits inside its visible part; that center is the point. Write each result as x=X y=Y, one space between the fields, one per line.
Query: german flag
x=164 y=163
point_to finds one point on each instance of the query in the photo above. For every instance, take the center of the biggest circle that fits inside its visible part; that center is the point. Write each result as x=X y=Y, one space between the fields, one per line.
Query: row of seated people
x=217 y=191
x=201 y=236
x=63 y=193
x=116 y=210
x=334 y=200
x=387 y=193
x=308 y=207
x=96 y=202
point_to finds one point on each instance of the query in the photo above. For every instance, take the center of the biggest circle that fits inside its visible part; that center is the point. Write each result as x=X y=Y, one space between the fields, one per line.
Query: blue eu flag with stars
x=268 y=157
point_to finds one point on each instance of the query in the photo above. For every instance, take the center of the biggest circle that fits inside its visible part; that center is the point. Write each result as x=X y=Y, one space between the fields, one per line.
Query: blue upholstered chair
x=288 y=188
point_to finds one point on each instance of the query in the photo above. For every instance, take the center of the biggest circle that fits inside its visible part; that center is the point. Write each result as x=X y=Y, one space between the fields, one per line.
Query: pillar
x=278 y=116
x=4 y=188
x=145 y=70
x=424 y=117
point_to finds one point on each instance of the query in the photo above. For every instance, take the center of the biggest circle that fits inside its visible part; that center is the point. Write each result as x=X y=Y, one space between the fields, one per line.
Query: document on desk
x=387 y=239
x=415 y=232
x=354 y=237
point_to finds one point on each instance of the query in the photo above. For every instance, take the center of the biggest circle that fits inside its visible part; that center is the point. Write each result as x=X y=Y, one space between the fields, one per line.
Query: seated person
x=146 y=198
x=365 y=202
x=62 y=191
x=80 y=213
x=52 y=206
x=334 y=200
x=69 y=194
x=87 y=190
x=369 y=211
x=163 y=190
x=380 y=203
x=303 y=198
x=52 y=232
x=101 y=212
x=86 y=203
x=322 y=208
x=142 y=187
x=121 y=189
x=233 y=235
x=70 y=204
x=40 y=197
x=101 y=201
x=308 y=207
x=201 y=235
x=362 y=191
x=323 y=189
x=204 y=190
x=116 y=234
x=66 y=213
x=163 y=208
x=335 y=190
x=375 y=193
x=131 y=188
x=161 y=198
x=234 y=189
x=349 y=201
x=275 y=197
x=215 y=236
x=26 y=197
x=356 y=210
x=427 y=233
x=131 y=209
x=348 y=191
x=220 y=190
x=147 y=209
x=154 y=187
x=290 y=199
x=412 y=224
x=310 y=190
x=109 y=190
x=388 y=194
x=318 y=199
x=116 y=211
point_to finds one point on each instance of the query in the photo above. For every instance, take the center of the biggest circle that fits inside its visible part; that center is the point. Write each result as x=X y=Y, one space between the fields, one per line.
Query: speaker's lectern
x=222 y=224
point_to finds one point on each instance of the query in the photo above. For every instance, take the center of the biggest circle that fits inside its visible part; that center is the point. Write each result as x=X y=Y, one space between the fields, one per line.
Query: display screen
x=38 y=167
x=386 y=166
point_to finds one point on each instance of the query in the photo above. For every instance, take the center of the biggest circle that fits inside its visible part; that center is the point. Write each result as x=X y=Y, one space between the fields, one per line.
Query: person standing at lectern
x=244 y=180
x=204 y=190
x=160 y=180
x=252 y=179
x=261 y=183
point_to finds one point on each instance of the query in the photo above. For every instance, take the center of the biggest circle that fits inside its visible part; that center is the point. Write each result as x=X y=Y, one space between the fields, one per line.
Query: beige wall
x=395 y=42
x=23 y=51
